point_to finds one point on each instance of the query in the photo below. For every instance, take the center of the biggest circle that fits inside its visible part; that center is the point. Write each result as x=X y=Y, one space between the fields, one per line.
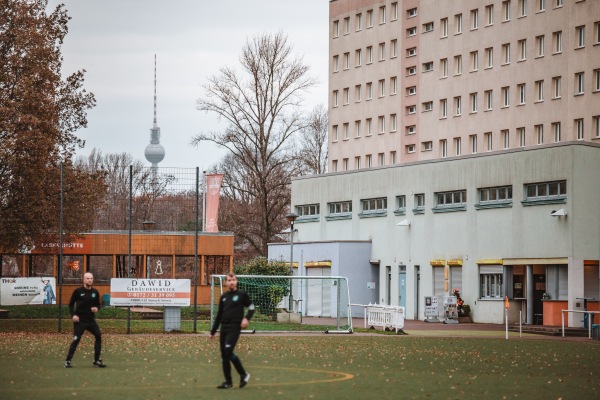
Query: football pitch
x=310 y=366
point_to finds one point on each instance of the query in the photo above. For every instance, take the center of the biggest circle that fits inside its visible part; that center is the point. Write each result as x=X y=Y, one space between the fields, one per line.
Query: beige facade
x=421 y=80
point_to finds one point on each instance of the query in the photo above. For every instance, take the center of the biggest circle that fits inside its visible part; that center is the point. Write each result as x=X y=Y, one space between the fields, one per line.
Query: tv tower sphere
x=154 y=152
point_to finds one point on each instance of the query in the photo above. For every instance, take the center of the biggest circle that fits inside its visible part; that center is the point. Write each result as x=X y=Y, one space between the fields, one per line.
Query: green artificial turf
x=301 y=367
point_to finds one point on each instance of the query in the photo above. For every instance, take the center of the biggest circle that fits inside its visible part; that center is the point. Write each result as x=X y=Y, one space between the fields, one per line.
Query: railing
x=581 y=312
x=387 y=317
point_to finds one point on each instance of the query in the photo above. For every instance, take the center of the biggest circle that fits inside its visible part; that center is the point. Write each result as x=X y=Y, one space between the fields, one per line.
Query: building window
x=539 y=90
x=506 y=10
x=522 y=8
x=490 y=284
x=346 y=61
x=346 y=166
x=557 y=42
x=381 y=87
x=382 y=15
x=444 y=27
x=381 y=158
x=427 y=27
x=358 y=57
x=473 y=139
x=334 y=165
x=335 y=98
x=336 y=28
x=457 y=106
x=580 y=36
x=541 y=5
x=489 y=57
x=411 y=13
x=457 y=145
x=489 y=104
x=545 y=191
x=336 y=63
x=369 y=18
x=521 y=91
x=579 y=83
x=458 y=24
x=597 y=32
x=457 y=198
x=369 y=123
x=335 y=133
x=369 y=160
x=393 y=85
x=579 y=128
x=596 y=126
x=428 y=66
x=495 y=195
x=381 y=51
x=347 y=26
x=374 y=205
x=394 y=11
x=340 y=207
x=556 y=131
x=558 y=3
x=539 y=133
x=400 y=204
x=489 y=145
x=539 y=44
x=522 y=49
x=357 y=125
x=369 y=90
x=381 y=123
x=411 y=31
x=489 y=15
x=427 y=106
x=505 y=138
x=474 y=60
x=357 y=162
x=308 y=210
x=473 y=101
x=369 y=54
x=443 y=148
x=444 y=68
x=474 y=19
x=393 y=157
x=457 y=65
x=357 y=93
x=346 y=96
x=411 y=110
x=358 y=22
x=521 y=134
x=426 y=146
x=420 y=201
x=411 y=71
x=411 y=90
x=556 y=87
x=393 y=123
x=393 y=48
x=411 y=52
x=505 y=96
x=411 y=129
x=443 y=108
x=596 y=87
x=506 y=53
x=410 y=148
x=346 y=129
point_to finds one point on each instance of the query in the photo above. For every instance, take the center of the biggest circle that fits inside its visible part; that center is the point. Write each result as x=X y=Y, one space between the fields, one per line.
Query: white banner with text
x=27 y=291
x=150 y=292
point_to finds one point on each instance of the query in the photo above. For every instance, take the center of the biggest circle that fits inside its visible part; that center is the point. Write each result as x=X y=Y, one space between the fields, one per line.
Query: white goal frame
x=310 y=296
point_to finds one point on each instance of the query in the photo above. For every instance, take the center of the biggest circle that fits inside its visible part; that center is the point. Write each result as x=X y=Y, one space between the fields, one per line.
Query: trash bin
x=106 y=300
x=596 y=331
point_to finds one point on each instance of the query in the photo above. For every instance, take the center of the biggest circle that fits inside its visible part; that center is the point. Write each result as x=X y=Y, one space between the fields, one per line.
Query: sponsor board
x=27 y=291
x=150 y=292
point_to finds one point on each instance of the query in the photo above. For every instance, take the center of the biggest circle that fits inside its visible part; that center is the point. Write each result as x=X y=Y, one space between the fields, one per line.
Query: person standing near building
x=232 y=320
x=83 y=306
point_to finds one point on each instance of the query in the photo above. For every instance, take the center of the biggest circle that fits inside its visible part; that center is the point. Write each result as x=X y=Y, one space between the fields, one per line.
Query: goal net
x=327 y=297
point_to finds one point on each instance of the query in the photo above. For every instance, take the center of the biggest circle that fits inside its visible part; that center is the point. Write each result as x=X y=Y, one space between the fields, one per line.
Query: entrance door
x=388 y=289
x=539 y=288
x=417 y=291
x=402 y=286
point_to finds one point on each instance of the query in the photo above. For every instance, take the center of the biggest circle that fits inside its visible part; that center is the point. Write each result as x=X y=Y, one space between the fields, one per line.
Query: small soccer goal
x=290 y=298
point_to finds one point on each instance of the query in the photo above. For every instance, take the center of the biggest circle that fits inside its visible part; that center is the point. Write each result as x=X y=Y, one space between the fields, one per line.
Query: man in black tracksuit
x=231 y=318
x=84 y=304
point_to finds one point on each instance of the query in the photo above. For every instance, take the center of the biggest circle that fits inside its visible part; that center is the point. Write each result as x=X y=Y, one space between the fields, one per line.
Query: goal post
x=307 y=296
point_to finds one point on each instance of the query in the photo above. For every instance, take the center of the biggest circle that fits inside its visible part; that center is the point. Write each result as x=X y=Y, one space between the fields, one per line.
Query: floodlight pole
x=291 y=217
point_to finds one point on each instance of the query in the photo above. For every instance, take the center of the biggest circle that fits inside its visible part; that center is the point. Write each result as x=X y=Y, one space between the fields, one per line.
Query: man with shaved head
x=84 y=304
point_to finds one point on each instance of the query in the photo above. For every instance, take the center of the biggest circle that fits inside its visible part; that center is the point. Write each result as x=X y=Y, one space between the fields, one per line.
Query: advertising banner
x=150 y=292
x=213 y=182
x=27 y=291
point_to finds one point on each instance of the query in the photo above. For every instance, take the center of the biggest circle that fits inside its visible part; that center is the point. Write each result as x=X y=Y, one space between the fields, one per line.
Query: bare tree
x=313 y=142
x=261 y=107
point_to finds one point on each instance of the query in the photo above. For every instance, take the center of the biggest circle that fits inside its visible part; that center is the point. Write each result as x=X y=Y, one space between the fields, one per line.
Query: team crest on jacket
x=235 y=298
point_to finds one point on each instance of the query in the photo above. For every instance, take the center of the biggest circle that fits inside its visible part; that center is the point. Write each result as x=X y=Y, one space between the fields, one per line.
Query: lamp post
x=291 y=217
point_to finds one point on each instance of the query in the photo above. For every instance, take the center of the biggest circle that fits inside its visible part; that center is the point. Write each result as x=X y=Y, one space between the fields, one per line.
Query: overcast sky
x=115 y=42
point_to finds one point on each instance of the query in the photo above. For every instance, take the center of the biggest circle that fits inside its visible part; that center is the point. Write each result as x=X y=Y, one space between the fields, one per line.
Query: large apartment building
x=420 y=80
x=464 y=148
